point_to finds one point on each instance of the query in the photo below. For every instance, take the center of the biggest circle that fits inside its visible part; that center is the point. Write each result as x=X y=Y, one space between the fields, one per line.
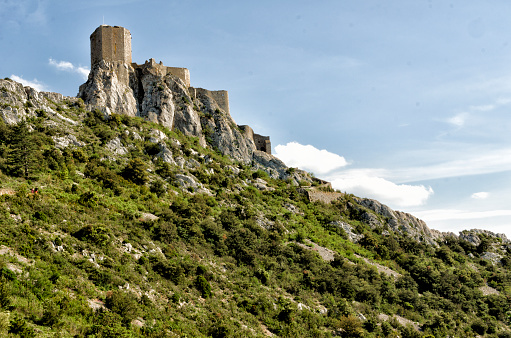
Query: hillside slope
x=141 y=231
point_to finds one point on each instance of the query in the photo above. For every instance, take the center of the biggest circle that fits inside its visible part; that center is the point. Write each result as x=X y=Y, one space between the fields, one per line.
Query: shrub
x=19 y=326
x=351 y=326
x=203 y=286
x=108 y=325
x=88 y=199
x=479 y=327
x=158 y=188
x=123 y=304
x=136 y=172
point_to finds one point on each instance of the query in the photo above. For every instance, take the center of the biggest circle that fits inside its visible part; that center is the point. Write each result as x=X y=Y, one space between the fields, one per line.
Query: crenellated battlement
x=159 y=69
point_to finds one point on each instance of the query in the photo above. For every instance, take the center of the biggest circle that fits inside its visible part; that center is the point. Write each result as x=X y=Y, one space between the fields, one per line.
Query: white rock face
x=18 y=102
x=165 y=154
x=66 y=141
x=398 y=221
x=166 y=100
x=107 y=86
x=115 y=145
x=157 y=136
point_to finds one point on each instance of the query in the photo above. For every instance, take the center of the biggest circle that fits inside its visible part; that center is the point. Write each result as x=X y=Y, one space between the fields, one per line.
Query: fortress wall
x=112 y=44
x=323 y=196
x=248 y=131
x=182 y=73
x=262 y=143
x=222 y=99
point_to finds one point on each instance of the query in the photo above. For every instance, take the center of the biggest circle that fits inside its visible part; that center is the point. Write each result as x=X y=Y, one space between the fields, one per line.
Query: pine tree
x=21 y=150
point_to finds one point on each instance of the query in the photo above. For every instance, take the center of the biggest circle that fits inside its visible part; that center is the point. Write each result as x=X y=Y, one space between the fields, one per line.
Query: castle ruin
x=113 y=45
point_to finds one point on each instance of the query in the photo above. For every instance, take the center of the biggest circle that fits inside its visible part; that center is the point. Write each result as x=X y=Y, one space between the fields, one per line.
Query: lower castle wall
x=262 y=143
x=322 y=196
x=182 y=73
x=159 y=69
x=222 y=99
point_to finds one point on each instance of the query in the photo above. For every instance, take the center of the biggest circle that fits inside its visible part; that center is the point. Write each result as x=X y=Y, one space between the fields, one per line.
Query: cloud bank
x=37 y=85
x=309 y=158
x=403 y=195
x=362 y=182
x=455 y=214
x=480 y=195
x=69 y=67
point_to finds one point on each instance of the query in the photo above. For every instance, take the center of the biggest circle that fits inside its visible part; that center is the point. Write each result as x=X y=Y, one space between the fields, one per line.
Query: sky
x=406 y=102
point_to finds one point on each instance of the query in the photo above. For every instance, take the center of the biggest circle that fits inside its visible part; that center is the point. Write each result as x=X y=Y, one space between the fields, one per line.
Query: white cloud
x=62 y=65
x=402 y=195
x=458 y=120
x=487 y=107
x=480 y=195
x=455 y=214
x=463 y=163
x=37 y=85
x=83 y=71
x=361 y=182
x=309 y=158
x=69 y=67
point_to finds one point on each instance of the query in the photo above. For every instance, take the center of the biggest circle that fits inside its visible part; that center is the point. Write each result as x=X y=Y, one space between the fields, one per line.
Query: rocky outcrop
x=18 y=102
x=107 y=86
x=269 y=163
x=164 y=98
x=473 y=236
x=397 y=221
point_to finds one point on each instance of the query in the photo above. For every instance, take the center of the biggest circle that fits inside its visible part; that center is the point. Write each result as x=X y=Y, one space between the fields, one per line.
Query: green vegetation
x=119 y=246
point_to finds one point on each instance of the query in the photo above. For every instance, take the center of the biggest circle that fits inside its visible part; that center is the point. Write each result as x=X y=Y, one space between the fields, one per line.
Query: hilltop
x=156 y=215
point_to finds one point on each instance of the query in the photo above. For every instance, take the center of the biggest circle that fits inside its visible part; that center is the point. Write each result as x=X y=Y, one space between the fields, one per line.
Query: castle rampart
x=159 y=69
x=261 y=143
x=112 y=44
x=221 y=97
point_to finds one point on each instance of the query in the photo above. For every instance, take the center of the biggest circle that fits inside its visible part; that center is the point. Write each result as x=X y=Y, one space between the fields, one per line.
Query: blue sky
x=406 y=102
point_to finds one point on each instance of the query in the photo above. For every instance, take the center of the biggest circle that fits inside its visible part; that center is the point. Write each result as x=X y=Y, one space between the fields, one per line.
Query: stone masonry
x=112 y=45
x=262 y=143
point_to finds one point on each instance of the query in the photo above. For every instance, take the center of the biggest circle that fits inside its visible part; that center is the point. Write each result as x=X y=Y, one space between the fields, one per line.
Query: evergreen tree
x=21 y=153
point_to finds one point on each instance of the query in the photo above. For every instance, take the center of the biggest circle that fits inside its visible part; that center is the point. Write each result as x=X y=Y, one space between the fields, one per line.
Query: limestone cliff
x=163 y=98
x=18 y=102
x=397 y=221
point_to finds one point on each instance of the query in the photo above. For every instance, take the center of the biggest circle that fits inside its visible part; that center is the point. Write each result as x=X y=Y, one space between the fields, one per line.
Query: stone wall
x=151 y=66
x=262 y=143
x=182 y=73
x=111 y=44
x=248 y=131
x=322 y=196
x=222 y=99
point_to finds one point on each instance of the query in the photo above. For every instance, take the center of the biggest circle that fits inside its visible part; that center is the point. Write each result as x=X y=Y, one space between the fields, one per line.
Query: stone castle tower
x=112 y=44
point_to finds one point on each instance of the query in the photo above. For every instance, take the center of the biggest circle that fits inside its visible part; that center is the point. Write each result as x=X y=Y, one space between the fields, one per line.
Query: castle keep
x=113 y=45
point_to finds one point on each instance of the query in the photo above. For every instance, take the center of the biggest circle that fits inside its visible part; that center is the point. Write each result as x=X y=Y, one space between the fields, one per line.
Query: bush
x=158 y=188
x=19 y=326
x=351 y=326
x=108 y=325
x=203 y=286
x=136 y=172
x=124 y=304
